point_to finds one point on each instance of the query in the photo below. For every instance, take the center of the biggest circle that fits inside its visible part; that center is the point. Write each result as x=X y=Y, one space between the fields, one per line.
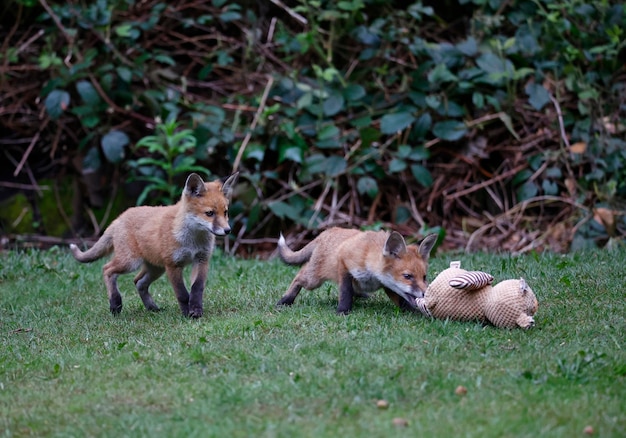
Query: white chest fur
x=196 y=242
x=365 y=280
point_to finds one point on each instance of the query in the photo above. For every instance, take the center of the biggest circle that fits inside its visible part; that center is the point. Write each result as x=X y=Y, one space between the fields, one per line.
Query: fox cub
x=166 y=239
x=360 y=262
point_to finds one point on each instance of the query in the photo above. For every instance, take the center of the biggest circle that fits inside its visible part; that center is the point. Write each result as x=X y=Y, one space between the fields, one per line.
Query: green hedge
x=501 y=123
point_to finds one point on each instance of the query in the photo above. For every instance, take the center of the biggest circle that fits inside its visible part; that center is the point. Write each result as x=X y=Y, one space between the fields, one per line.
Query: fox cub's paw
x=195 y=312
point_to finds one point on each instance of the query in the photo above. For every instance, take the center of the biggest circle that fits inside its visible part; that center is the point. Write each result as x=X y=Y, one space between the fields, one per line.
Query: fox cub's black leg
x=346 y=295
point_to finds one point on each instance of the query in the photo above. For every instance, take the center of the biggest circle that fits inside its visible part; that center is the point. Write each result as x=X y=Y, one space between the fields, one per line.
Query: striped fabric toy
x=469 y=296
x=471 y=280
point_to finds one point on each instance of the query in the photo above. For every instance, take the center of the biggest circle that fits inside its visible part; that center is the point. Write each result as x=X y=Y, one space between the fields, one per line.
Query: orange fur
x=165 y=239
x=360 y=262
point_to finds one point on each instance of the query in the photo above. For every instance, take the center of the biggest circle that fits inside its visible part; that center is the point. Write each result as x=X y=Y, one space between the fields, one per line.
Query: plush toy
x=468 y=295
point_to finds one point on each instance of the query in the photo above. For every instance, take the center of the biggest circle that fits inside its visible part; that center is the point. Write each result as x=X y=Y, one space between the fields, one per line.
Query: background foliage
x=500 y=124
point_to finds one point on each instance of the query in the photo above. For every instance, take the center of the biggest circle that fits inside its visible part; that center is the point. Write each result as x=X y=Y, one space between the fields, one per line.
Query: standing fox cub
x=165 y=239
x=360 y=262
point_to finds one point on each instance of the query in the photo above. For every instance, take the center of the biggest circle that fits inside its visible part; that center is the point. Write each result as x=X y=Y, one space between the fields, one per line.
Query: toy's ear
x=395 y=245
x=523 y=286
x=471 y=280
x=427 y=245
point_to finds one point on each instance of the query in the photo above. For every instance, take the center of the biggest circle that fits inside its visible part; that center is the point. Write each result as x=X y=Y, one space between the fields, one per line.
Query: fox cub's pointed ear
x=194 y=185
x=395 y=245
x=427 y=245
x=229 y=184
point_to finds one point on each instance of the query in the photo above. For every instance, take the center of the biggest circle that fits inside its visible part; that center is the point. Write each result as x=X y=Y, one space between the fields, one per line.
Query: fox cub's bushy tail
x=295 y=257
x=103 y=247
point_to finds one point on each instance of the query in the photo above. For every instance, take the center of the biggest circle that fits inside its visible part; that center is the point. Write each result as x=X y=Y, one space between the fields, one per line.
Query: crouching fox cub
x=165 y=239
x=360 y=262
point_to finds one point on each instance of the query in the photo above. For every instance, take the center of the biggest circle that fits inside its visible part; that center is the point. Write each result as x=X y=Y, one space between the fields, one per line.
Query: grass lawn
x=69 y=368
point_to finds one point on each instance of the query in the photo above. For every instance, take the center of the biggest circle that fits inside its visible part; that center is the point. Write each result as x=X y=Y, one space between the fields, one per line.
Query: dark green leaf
x=478 y=99
x=331 y=143
x=403 y=214
x=124 y=74
x=490 y=63
x=404 y=150
x=550 y=187
x=538 y=96
x=469 y=47
x=335 y=165
x=282 y=210
x=397 y=165
x=526 y=191
x=422 y=126
x=450 y=130
x=361 y=122
x=422 y=175
x=57 y=102
x=333 y=104
x=506 y=119
x=126 y=30
x=368 y=136
x=354 y=92
x=90 y=121
x=92 y=161
x=230 y=16
x=367 y=185
x=328 y=131
x=87 y=92
x=419 y=153
x=392 y=123
x=521 y=176
x=433 y=101
x=441 y=74
x=165 y=59
x=496 y=68
x=315 y=163
x=290 y=152
x=366 y=36
x=254 y=151
x=554 y=172
x=113 y=144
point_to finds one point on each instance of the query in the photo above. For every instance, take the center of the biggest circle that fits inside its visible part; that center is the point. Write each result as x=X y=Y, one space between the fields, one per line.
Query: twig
x=270 y=31
x=8 y=39
x=486 y=183
x=107 y=212
x=291 y=12
x=19 y=186
x=31 y=40
x=320 y=202
x=56 y=20
x=19 y=217
x=59 y=203
x=147 y=120
x=257 y=116
x=20 y=165
x=560 y=117
x=50 y=240
x=414 y=211
x=519 y=208
x=233 y=250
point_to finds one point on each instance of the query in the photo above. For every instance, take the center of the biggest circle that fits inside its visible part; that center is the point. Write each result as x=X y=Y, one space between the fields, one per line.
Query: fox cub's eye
x=408 y=276
x=210 y=213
